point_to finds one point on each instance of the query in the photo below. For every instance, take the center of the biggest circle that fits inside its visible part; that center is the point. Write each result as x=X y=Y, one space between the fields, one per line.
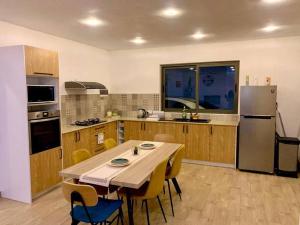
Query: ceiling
x=222 y=20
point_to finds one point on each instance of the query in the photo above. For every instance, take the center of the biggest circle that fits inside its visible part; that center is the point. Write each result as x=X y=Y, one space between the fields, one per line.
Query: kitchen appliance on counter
x=37 y=94
x=257 y=128
x=142 y=113
x=88 y=122
x=44 y=130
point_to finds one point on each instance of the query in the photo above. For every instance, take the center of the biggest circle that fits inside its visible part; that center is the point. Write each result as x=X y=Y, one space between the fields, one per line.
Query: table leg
x=129 y=209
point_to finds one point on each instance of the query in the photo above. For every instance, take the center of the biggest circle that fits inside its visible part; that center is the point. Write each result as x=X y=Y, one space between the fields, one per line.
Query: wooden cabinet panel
x=179 y=133
x=111 y=131
x=197 y=142
x=222 y=144
x=45 y=167
x=41 y=62
x=133 y=130
x=73 y=141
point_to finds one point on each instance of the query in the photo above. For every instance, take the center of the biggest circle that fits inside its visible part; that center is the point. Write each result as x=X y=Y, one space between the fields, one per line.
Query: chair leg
x=176 y=185
x=121 y=215
x=162 y=210
x=74 y=222
x=147 y=210
x=164 y=189
x=170 y=194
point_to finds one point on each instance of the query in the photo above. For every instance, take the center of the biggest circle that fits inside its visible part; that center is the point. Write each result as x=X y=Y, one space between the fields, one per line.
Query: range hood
x=85 y=86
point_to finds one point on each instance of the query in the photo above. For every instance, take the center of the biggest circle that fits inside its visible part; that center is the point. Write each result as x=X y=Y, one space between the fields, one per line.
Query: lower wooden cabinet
x=44 y=168
x=204 y=142
x=73 y=141
x=86 y=138
x=222 y=144
x=197 y=142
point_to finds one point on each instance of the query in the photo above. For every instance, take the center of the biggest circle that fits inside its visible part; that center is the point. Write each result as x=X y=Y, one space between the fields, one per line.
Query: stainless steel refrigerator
x=257 y=128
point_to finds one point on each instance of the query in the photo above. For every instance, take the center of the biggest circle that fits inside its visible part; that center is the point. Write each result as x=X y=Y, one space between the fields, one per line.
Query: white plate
x=147 y=146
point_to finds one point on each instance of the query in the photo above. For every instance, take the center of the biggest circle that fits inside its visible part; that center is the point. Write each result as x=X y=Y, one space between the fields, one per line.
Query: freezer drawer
x=258 y=100
x=257 y=144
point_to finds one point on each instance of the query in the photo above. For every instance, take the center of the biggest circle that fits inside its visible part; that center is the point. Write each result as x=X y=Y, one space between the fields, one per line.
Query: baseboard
x=198 y=162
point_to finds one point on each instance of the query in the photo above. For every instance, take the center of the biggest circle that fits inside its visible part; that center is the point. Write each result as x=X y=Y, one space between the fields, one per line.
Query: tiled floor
x=211 y=196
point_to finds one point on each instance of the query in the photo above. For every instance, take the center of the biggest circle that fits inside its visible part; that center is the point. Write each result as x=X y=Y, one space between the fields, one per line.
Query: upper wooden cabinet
x=41 y=62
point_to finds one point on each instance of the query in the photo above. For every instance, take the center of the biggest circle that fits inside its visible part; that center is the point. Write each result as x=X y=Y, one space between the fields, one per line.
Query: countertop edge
x=71 y=128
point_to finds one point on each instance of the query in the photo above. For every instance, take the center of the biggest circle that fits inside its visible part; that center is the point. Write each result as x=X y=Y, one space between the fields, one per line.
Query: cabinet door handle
x=183 y=130
x=75 y=136
x=60 y=153
x=79 y=136
x=211 y=130
x=42 y=73
x=144 y=126
x=187 y=129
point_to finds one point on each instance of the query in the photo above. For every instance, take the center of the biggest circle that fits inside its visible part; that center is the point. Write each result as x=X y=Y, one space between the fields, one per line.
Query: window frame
x=235 y=63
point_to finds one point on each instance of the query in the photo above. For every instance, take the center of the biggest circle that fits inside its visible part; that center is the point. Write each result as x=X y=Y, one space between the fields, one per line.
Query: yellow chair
x=151 y=189
x=164 y=138
x=80 y=155
x=87 y=207
x=173 y=171
x=110 y=143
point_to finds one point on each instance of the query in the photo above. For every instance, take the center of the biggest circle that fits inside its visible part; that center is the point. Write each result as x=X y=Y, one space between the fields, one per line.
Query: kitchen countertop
x=71 y=128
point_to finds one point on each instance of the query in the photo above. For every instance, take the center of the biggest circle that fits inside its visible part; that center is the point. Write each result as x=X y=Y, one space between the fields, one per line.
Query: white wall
x=138 y=71
x=77 y=61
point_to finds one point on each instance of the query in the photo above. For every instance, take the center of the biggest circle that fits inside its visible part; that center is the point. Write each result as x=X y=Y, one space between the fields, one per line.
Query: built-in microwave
x=40 y=93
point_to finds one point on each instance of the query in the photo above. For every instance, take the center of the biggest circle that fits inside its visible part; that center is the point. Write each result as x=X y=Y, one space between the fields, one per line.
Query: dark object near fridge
x=257 y=128
x=286 y=156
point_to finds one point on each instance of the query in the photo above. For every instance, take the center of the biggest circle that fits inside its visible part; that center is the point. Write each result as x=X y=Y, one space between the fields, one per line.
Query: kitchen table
x=132 y=177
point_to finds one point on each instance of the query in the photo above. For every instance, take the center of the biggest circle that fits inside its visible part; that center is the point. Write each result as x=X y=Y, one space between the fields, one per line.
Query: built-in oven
x=44 y=130
x=40 y=94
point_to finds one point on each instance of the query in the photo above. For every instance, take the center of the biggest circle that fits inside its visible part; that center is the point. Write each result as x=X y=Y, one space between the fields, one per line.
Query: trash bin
x=287 y=156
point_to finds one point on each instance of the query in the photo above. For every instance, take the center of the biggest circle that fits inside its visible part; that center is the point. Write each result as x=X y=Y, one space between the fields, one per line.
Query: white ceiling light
x=138 y=40
x=270 y=28
x=170 y=12
x=198 y=35
x=92 y=21
x=273 y=1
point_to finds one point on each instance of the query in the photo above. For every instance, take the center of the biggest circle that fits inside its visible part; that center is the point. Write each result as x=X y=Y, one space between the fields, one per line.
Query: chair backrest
x=176 y=163
x=110 y=143
x=157 y=179
x=87 y=192
x=80 y=155
x=164 y=138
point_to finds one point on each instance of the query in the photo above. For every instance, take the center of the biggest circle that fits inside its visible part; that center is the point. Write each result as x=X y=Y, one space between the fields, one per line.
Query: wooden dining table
x=132 y=177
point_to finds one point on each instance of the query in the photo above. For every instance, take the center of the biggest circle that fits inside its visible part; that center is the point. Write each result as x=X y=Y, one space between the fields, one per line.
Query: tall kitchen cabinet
x=22 y=178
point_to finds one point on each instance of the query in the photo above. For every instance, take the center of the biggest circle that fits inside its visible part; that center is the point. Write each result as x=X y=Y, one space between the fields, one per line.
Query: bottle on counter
x=183 y=115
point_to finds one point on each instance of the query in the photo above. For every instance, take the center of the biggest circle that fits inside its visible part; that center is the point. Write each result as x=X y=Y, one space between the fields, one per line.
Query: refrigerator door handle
x=264 y=117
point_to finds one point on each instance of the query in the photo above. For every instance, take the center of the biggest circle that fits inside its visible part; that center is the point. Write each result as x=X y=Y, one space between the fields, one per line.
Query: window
x=201 y=87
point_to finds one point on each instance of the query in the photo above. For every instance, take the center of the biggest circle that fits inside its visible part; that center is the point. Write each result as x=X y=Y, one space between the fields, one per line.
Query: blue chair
x=87 y=207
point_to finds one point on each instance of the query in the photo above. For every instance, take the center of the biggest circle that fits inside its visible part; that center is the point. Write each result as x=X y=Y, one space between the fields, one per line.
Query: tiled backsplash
x=80 y=107
x=128 y=104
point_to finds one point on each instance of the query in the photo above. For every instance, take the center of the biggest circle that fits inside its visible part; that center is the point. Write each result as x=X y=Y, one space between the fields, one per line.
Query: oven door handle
x=43 y=120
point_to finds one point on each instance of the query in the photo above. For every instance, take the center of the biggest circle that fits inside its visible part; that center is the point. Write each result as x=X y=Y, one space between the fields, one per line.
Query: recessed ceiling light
x=138 y=40
x=270 y=28
x=92 y=21
x=198 y=35
x=273 y=1
x=170 y=12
